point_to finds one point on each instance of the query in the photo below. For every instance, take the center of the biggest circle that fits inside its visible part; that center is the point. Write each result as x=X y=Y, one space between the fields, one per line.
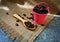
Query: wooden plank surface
x=23 y=34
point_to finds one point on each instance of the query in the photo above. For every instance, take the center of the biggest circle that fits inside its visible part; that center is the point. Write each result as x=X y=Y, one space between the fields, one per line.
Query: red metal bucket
x=40 y=18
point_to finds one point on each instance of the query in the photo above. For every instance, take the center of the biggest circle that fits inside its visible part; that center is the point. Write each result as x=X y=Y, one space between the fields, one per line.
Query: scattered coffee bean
x=7 y=13
x=29 y=24
x=24 y=14
x=17 y=24
x=42 y=24
x=17 y=20
x=29 y=17
x=31 y=14
x=22 y=17
x=19 y=15
x=58 y=13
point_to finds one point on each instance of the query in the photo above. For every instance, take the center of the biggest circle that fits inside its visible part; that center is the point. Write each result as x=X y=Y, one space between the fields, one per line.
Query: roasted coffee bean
x=17 y=24
x=29 y=17
x=29 y=24
x=22 y=17
x=42 y=24
x=24 y=14
x=41 y=7
x=19 y=15
x=17 y=20
x=58 y=13
x=31 y=14
x=7 y=13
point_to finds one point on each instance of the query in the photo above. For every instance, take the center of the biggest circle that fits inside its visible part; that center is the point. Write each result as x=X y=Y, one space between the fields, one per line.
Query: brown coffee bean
x=24 y=14
x=42 y=24
x=22 y=17
x=7 y=13
x=29 y=17
x=19 y=15
x=31 y=14
x=17 y=20
x=17 y=24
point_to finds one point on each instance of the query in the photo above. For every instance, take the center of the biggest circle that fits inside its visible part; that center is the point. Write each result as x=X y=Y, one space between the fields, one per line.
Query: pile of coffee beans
x=40 y=9
x=29 y=24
